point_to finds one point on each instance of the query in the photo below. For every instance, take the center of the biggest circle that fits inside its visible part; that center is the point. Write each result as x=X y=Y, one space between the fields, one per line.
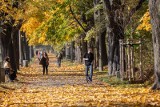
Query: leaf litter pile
x=66 y=86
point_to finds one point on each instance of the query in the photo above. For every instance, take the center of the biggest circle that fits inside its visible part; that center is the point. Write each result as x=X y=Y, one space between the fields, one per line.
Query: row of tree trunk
x=14 y=45
x=76 y=49
x=106 y=43
x=115 y=26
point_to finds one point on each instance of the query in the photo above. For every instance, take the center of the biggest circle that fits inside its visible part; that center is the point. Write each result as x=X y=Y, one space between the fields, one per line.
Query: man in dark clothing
x=88 y=58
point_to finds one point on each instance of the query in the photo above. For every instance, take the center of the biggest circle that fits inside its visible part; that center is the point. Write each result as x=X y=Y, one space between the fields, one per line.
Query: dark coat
x=44 y=61
x=90 y=57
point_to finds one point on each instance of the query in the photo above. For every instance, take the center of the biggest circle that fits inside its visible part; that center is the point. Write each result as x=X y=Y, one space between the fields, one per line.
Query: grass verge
x=114 y=81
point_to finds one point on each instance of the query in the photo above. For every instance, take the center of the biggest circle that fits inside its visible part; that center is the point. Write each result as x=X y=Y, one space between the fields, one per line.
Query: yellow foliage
x=60 y=1
x=42 y=39
x=67 y=38
x=145 y=22
x=30 y=26
x=34 y=40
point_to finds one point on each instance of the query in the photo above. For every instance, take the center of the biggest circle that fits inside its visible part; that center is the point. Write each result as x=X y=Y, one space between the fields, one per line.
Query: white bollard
x=25 y=63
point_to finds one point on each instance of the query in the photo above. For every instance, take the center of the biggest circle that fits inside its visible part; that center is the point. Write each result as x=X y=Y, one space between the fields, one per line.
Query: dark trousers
x=89 y=72
x=59 y=62
x=7 y=72
x=45 y=69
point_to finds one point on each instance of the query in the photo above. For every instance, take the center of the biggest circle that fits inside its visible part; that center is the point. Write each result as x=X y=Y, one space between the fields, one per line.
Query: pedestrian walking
x=88 y=58
x=59 y=58
x=45 y=62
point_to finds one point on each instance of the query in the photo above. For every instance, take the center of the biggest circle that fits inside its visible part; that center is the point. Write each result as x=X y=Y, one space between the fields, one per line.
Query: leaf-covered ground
x=66 y=86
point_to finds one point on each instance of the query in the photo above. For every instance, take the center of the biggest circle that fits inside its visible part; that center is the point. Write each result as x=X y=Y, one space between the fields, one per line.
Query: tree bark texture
x=10 y=48
x=78 y=54
x=15 y=43
x=104 y=49
x=72 y=51
x=83 y=46
x=116 y=22
x=97 y=20
x=154 y=7
x=114 y=32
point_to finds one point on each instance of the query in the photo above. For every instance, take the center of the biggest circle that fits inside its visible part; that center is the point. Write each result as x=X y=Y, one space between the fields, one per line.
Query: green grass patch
x=117 y=82
x=114 y=81
x=96 y=72
x=32 y=60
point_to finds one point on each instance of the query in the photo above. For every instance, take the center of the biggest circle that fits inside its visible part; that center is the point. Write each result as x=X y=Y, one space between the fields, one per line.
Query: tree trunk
x=78 y=50
x=6 y=40
x=97 y=52
x=155 y=21
x=26 y=47
x=78 y=54
x=100 y=66
x=1 y=59
x=72 y=51
x=114 y=32
x=96 y=20
x=13 y=60
x=67 y=49
x=83 y=45
x=104 y=49
x=15 y=43
x=31 y=52
x=9 y=44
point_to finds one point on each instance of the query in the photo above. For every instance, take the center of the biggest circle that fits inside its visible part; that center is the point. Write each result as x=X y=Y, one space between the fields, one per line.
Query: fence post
x=120 y=44
x=141 y=72
x=129 y=60
x=132 y=61
x=121 y=59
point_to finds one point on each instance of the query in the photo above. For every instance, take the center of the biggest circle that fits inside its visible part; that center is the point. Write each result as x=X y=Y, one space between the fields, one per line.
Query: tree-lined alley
x=124 y=37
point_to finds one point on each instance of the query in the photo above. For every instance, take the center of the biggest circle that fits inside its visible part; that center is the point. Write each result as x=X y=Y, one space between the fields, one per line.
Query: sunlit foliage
x=145 y=22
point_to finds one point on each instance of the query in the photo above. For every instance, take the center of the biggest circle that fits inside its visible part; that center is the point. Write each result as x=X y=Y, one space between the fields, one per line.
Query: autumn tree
x=100 y=32
x=64 y=22
x=9 y=38
x=118 y=15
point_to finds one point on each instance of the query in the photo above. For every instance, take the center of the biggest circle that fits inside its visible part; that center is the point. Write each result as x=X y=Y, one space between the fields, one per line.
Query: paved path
x=68 y=74
x=35 y=89
x=66 y=87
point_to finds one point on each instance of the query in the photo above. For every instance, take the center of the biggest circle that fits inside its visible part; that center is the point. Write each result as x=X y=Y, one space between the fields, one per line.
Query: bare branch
x=138 y=6
x=107 y=4
x=76 y=19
